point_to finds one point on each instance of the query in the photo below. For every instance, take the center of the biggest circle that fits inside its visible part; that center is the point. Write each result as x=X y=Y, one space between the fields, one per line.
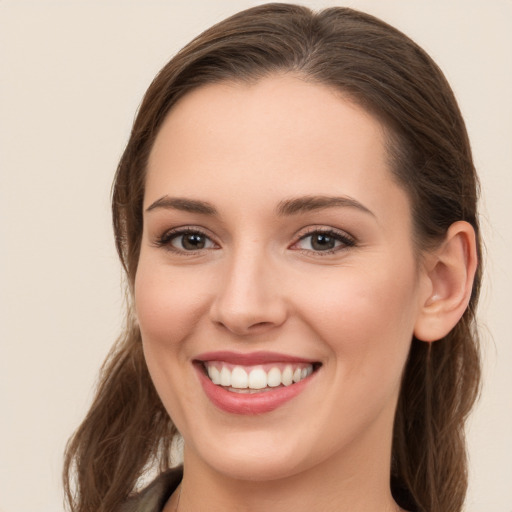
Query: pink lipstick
x=253 y=383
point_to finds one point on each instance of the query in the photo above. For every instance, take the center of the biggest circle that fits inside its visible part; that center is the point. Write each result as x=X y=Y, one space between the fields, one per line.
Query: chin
x=256 y=459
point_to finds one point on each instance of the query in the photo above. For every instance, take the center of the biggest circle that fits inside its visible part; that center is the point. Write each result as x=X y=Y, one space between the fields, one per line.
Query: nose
x=251 y=297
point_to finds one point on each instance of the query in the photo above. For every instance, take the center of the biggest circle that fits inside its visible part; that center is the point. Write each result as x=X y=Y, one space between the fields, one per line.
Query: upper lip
x=251 y=358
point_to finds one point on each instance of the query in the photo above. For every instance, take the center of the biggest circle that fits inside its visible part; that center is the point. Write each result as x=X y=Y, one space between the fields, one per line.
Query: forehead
x=281 y=135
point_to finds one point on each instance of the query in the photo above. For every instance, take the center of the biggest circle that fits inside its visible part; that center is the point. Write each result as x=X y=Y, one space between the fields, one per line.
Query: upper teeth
x=257 y=377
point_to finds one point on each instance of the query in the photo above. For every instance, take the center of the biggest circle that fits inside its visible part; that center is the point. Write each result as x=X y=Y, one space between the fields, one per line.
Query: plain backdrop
x=72 y=73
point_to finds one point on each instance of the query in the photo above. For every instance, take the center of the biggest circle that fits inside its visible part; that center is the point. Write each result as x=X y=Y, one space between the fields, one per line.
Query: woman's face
x=276 y=254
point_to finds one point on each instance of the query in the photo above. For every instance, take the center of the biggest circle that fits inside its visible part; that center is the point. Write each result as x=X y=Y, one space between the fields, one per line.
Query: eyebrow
x=309 y=203
x=186 y=205
x=286 y=207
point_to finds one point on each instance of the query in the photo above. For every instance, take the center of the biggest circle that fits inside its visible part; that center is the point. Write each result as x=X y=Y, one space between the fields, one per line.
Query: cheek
x=367 y=322
x=168 y=307
x=168 y=304
x=364 y=315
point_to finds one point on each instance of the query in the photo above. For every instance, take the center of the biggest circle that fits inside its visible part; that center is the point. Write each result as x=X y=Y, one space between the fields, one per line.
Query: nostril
x=243 y=329
x=260 y=325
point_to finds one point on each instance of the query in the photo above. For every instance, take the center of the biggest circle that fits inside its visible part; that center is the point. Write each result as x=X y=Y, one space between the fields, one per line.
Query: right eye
x=186 y=240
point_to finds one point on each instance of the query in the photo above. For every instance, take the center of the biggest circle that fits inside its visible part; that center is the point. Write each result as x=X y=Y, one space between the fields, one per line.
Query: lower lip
x=250 y=403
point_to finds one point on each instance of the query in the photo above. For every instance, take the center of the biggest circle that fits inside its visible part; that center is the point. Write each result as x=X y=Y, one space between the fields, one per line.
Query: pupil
x=322 y=242
x=193 y=241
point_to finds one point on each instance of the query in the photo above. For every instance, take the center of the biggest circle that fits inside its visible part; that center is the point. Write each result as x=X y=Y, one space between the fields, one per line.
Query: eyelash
x=346 y=241
x=166 y=239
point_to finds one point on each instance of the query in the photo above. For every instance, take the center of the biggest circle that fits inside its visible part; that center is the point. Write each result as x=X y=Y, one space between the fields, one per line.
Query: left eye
x=320 y=241
x=191 y=241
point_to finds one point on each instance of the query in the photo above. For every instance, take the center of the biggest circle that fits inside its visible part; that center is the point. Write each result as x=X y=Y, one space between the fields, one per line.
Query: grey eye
x=319 y=242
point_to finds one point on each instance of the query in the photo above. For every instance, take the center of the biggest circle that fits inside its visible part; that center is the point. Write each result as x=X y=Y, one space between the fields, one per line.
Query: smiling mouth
x=257 y=378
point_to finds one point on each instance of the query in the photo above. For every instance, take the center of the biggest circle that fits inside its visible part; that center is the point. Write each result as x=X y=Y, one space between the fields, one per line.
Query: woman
x=296 y=214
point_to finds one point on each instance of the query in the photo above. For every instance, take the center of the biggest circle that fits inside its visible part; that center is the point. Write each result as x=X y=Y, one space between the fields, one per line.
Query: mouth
x=253 y=383
x=256 y=379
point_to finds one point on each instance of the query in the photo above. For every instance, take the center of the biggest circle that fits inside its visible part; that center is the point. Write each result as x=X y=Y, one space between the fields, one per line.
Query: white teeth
x=256 y=378
x=239 y=378
x=274 y=377
x=214 y=374
x=287 y=376
x=225 y=377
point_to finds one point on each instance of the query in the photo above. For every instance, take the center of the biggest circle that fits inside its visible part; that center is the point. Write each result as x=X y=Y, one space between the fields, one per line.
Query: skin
x=258 y=284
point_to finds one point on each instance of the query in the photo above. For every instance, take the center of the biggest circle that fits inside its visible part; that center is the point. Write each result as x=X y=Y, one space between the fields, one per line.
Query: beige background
x=72 y=75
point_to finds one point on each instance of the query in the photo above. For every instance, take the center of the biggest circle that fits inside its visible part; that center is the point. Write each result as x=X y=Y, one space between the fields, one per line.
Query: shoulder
x=155 y=495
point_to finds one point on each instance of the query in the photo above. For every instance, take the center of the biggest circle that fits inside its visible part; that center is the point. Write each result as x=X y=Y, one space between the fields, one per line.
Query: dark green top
x=154 y=497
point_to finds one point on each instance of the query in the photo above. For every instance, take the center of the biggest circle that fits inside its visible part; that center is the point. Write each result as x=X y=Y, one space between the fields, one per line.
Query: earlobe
x=450 y=270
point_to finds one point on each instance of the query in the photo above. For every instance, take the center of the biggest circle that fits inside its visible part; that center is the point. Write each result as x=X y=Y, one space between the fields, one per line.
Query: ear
x=449 y=271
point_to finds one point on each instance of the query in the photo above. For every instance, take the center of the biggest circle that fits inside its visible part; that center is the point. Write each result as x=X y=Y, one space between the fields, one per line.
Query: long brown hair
x=127 y=429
